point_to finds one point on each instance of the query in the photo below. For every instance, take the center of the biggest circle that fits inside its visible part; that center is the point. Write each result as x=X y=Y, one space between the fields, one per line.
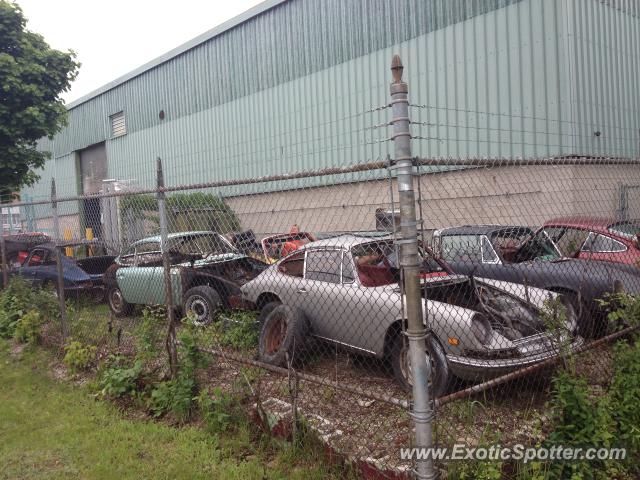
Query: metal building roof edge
x=200 y=39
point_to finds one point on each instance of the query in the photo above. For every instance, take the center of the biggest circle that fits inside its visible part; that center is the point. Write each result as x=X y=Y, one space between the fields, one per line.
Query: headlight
x=481 y=328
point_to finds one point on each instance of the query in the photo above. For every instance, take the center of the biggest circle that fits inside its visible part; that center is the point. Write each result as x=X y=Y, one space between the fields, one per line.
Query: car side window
x=488 y=253
x=323 y=265
x=571 y=240
x=147 y=247
x=293 y=266
x=348 y=275
x=598 y=243
x=38 y=258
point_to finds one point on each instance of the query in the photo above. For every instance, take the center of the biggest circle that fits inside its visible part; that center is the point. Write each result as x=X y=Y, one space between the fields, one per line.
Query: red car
x=594 y=238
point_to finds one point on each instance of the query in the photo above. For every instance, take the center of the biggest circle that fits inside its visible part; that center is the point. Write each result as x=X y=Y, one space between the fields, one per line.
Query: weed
x=173 y=396
x=218 y=409
x=78 y=356
x=17 y=299
x=119 y=379
x=148 y=334
x=240 y=332
x=28 y=329
x=624 y=393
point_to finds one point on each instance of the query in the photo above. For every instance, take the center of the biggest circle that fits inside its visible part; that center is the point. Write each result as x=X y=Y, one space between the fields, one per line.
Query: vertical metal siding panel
x=288 y=78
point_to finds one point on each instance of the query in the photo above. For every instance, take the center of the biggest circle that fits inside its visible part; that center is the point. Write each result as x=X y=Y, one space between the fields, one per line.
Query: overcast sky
x=113 y=37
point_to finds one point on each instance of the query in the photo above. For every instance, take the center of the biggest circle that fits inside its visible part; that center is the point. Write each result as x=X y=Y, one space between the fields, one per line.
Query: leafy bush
x=78 y=356
x=174 y=396
x=119 y=379
x=28 y=329
x=218 y=409
x=624 y=310
x=242 y=333
x=185 y=211
x=149 y=334
x=625 y=398
x=578 y=420
x=17 y=300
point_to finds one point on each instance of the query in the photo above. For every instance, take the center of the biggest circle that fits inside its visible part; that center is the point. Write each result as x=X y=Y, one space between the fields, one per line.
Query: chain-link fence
x=317 y=293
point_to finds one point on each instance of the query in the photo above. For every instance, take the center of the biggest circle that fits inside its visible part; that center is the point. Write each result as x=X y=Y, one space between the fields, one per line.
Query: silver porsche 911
x=345 y=290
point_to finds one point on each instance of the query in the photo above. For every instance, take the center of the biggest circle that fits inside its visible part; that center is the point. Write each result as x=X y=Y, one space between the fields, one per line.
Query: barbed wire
x=513 y=115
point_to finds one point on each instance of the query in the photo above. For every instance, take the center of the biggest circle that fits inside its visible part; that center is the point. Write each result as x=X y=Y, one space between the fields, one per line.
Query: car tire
x=117 y=304
x=203 y=302
x=441 y=377
x=266 y=311
x=283 y=334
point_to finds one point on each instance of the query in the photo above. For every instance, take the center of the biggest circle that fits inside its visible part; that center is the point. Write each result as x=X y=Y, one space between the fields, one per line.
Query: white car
x=345 y=290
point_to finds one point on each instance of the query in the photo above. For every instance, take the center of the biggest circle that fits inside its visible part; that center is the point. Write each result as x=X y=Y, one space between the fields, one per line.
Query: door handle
x=302 y=290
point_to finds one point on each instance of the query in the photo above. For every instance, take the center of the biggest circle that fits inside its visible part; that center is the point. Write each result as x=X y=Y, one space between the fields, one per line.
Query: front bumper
x=474 y=369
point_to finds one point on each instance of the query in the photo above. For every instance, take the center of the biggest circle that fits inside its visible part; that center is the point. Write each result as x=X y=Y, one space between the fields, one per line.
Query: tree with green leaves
x=32 y=77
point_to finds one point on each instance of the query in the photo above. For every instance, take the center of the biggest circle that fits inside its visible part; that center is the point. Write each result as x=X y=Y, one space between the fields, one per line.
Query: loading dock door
x=93 y=170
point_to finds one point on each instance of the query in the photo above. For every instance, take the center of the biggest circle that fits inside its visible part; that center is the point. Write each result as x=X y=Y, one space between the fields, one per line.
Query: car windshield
x=627 y=229
x=537 y=247
x=377 y=263
x=281 y=246
x=201 y=244
x=461 y=248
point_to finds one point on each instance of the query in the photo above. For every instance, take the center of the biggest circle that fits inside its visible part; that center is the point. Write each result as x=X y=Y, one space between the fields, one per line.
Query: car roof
x=156 y=238
x=479 y=229
x=346 y=241
x=583 y=221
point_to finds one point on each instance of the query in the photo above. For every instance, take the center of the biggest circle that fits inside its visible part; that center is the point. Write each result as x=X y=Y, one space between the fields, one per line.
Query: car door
x=39 y=267
x=142 y=282
x=339 y=308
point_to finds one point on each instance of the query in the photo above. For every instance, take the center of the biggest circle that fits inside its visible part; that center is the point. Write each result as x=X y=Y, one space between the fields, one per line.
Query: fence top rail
x=354 y=168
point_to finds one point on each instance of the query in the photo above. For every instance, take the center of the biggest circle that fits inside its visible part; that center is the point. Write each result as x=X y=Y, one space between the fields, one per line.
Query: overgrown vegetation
x=78 y=356
x=120 y=378
x=185 y=211
x=23 y=311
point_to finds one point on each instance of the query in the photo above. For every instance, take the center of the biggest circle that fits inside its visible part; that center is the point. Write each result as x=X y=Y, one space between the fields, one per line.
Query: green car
x=206 y=275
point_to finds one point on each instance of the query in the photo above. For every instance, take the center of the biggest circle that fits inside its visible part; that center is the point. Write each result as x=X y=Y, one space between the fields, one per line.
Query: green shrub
x=17 y=300
x=624 y=393
x=119 y=379
x=149 y=333
x=174 y=396
x=242 y=333
x=78 y=356
x=578 y=420
x=218 y=409
x=28 y=329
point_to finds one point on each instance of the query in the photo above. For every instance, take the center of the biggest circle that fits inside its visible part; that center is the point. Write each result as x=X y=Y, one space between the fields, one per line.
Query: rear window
x=627 y=229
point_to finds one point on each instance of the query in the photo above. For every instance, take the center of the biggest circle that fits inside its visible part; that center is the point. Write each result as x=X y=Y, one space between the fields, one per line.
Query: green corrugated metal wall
x=287 y=90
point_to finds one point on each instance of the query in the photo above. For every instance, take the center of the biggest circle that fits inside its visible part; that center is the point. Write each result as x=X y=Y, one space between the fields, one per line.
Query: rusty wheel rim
x=275 y=334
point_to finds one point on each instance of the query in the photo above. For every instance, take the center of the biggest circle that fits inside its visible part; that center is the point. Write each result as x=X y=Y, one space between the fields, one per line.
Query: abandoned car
x=206 y=273
x=594 y=238
x=80 y=276
x=345 y=290
x=515 y=254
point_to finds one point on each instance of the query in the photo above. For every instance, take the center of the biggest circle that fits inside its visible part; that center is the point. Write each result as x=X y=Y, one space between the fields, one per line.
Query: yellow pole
x=68 y=251
x=88 y=234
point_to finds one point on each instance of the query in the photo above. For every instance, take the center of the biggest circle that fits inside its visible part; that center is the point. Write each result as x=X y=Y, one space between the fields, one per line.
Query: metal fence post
x=3 y=253
x=422 y=412
x=59 y=270
x=166 y=266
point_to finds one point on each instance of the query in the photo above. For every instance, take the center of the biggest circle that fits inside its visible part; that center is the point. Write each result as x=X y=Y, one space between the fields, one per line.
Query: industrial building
x=299 y=84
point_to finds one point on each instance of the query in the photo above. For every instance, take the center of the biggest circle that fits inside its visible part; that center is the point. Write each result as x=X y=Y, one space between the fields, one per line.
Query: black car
x=515 y=254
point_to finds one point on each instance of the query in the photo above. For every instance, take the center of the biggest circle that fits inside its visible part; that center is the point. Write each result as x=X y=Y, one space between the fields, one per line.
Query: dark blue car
x=81 y=277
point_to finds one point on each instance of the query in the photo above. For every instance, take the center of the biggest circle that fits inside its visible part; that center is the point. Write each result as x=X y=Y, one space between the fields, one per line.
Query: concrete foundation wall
x=503 y=195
